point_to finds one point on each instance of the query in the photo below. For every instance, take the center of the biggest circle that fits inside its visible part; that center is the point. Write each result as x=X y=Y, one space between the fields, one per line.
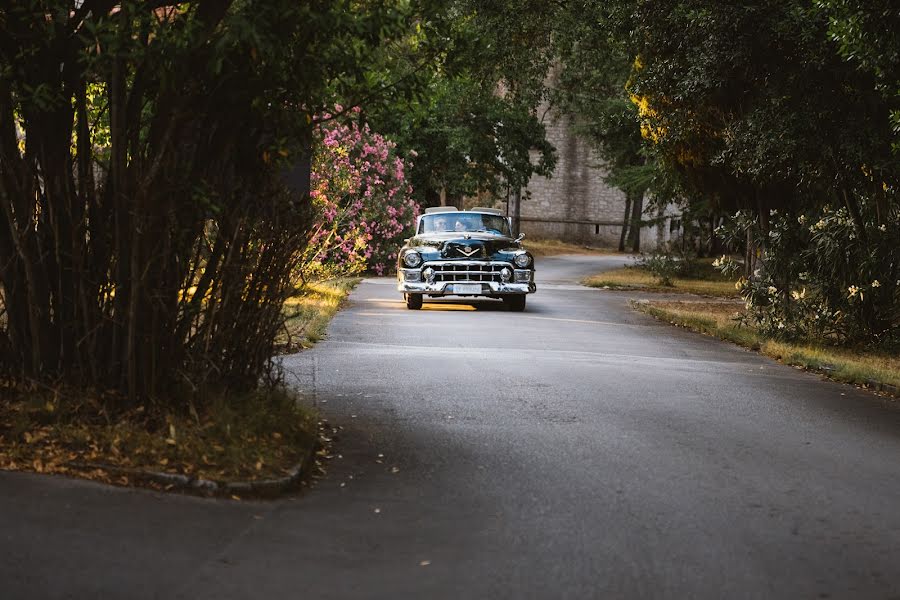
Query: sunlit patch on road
x=447 y=307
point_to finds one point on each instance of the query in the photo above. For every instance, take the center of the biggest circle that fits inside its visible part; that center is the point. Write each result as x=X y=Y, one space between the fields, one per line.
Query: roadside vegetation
x=792 y=184
x=308 y=313
x=255 y=435
x=738 y=319
x=699 y=278
x=549 y=247
x=730 y=321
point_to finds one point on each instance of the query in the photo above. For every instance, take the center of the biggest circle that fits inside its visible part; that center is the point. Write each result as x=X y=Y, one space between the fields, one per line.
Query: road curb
x=260 y=488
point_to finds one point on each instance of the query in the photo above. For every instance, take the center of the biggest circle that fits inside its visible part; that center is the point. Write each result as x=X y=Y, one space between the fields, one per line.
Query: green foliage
x=774 y=108
x=751 y=107
x=664 y=266
x=468 y=139
x=822 y=279
x=148 y=238
x=474 y=126
x=868 y=35
x=669 y=263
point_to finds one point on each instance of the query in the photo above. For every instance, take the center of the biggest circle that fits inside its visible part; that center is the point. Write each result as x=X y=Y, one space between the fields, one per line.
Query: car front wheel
x=514 y=303
x=413 y=301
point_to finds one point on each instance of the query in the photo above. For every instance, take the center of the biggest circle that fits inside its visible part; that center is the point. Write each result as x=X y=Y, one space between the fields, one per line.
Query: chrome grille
x=467 y=271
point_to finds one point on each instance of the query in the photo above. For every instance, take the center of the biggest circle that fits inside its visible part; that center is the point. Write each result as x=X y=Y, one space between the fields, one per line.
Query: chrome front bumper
x=465 y=273
x=445 y=288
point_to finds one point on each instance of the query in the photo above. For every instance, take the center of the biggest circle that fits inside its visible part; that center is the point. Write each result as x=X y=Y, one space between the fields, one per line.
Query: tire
x=514 y=303
x=414 y=301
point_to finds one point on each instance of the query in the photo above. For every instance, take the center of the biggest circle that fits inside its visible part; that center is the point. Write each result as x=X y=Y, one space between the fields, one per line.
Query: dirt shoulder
x=254 y=443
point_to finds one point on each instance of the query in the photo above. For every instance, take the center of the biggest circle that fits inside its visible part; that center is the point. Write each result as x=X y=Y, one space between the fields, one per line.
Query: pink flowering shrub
x=363 y=201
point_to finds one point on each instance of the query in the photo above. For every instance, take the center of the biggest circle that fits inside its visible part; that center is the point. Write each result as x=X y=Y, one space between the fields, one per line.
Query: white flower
x=801 y=219
x=882 y=228
x=876 y=283
x=772 y=290
x=853 y=291
x=799 y=295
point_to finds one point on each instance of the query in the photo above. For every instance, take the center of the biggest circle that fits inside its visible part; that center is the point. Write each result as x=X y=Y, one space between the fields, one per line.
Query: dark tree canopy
x=147 y=240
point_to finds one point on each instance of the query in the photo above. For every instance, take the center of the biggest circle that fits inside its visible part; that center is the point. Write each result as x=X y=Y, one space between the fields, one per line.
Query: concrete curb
x=261 y=488
x=884 y=388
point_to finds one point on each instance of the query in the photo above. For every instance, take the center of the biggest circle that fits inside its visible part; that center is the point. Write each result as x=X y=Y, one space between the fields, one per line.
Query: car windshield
x=464 y=221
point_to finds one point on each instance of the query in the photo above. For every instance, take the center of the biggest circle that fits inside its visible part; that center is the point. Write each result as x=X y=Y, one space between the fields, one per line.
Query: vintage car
x=466 y=253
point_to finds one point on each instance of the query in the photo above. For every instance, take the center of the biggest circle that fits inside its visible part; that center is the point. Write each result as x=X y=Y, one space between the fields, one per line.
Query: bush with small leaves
x=362 y=199
x=825 y=277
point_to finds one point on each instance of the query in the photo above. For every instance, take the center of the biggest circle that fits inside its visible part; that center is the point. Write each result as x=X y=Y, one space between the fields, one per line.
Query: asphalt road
x=576 y=450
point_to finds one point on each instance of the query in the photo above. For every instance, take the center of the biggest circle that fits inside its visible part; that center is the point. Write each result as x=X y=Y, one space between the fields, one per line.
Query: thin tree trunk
x=625 y=221
x=637 y=210
x=516 y=197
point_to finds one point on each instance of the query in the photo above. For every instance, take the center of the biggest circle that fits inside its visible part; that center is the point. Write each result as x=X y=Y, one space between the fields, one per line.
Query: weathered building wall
x=576 y=204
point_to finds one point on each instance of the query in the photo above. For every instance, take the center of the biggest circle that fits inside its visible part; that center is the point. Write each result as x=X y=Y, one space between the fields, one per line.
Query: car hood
x=461 y=246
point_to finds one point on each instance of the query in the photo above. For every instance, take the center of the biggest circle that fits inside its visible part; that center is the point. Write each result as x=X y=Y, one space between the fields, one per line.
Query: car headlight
x=522 y=260
x=412 y=259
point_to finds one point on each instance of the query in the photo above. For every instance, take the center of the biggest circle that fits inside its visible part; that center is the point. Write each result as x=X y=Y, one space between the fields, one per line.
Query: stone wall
x=576 y=204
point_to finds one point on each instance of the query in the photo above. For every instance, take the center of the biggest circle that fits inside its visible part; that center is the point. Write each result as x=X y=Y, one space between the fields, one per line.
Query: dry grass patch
x=310 y=310
x=545 y=247
x=708 y=282
x=861 y=367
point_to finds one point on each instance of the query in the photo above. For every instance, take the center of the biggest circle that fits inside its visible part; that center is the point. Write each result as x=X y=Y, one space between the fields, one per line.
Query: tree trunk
x=516 y=197
x=625 y=220
x=637 y=210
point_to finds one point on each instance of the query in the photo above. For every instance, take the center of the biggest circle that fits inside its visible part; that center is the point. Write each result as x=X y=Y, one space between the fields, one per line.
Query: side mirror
x=520 y=237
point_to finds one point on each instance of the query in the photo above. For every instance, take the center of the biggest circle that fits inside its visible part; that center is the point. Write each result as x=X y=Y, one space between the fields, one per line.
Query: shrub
x=668 y=264
x=823 y=277
x=362 y=200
